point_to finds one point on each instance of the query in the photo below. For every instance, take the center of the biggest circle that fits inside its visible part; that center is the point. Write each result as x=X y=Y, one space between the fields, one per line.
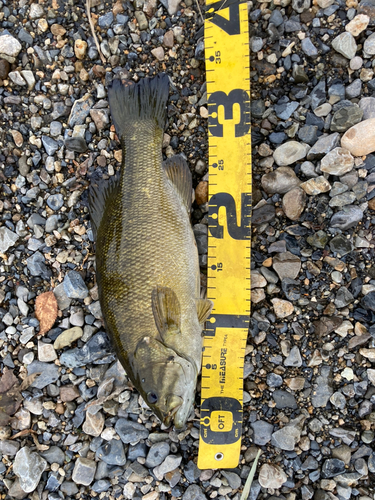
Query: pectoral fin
x=204 y=308
x=167 y=312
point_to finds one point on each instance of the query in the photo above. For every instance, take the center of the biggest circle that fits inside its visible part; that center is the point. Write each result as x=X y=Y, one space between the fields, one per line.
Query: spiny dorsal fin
x=204 y=308
x=99 y=194
x=166 y=310
x=178 y=173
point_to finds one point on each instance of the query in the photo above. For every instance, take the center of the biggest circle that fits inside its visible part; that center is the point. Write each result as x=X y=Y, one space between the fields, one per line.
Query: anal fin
x=179 y=174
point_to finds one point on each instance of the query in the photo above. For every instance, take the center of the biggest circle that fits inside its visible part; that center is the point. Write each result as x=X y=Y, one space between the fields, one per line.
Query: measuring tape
x=229 y=245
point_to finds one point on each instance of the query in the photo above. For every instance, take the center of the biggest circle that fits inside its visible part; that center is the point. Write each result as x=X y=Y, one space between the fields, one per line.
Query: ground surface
x=79 y=431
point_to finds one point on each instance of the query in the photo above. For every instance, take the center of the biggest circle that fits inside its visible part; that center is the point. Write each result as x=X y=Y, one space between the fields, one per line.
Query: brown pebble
x=371 y=204
x=99 y=71
x=201 y=193
x=101 y=160
x=4 y=69
x=117 y=8
x=58 y=30
x=60 y=408
x=69 y=393
x=168 y=39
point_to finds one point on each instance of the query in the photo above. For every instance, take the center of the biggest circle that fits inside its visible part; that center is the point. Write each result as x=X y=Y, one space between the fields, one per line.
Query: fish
x=147 y=264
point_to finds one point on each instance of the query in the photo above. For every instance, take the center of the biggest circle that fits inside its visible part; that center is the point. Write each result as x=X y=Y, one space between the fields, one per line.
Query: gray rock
x=345 y=45
x=74 y=286
x=318 y=96
x=98 y=349
x=29 y=467
x=55 y=201
x=338 y=400
x=323 y=146
x=169 y=464
x=332 y=467
x=106 y=20
x=157 y=454
x=84 y=471
x=294 y=358
x=368 y=301
x=341 y=245
x=280 y=181
x=346 y=117
x=286 y=265
x=50 y=145
x=81 y=110
x=233 y=479
x=348 y=217
x=322 y=389
x=284 y=399
x=54 y=455
x=343 y=298
x=130 y=432
x=194 y=492
x=309 y=48
x=49 y=373
x=354 y=89
x=284 y=111
x=112 y=453
x=367 y=104
x=8 y=447
x=9 y=45
x=37 y=267
x=101 y=485
x=7 y=238
x=69 y=488
x=262 y=432
x=290 y=152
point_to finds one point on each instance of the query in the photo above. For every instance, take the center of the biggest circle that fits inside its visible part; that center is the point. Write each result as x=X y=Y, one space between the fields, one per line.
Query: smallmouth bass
x=146 y=257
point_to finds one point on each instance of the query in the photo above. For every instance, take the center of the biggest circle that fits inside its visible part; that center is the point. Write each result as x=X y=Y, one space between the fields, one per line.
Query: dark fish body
x=146 y=258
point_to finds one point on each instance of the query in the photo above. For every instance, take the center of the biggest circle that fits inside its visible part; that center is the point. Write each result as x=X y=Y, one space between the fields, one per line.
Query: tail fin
x=145 y=100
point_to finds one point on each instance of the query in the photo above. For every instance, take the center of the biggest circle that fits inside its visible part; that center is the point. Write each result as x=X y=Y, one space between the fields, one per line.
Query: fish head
x=166 y=381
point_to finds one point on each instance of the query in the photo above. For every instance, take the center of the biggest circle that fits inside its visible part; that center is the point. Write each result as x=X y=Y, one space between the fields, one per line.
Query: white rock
x=7 y=238
x=271 y=476
x=345 y=45
x=339 y=161
x=9 y=46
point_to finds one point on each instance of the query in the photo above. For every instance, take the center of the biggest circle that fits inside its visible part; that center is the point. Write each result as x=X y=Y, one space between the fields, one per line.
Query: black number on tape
x=231 y=25
x=235 y=96
x=237 y=232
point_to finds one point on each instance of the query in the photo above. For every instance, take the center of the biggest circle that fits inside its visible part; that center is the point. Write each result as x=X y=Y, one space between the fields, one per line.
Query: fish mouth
x=168 y=414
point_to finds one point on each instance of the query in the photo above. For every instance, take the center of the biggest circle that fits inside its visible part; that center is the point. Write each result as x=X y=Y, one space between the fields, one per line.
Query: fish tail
x=143 y=101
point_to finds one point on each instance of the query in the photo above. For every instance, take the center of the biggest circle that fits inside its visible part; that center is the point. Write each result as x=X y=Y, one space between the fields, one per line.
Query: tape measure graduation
x=229 y=246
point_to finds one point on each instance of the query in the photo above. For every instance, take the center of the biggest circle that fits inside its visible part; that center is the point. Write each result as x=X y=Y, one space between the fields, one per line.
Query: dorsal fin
x=178 y=173
x=99 y=194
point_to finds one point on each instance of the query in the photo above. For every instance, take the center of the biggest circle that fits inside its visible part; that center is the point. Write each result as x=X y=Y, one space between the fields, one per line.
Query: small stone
x=282 y=308
x=201 y=193
x=9 y=46
x=323 y=146
x=93 y=424
x=100 y=118
x=294 y=358
x=368 y=301
x=280 y=181
x=193 y=492
x=29 y=467
x=80 y=49
x=338 y=162
x=168 y=39
x=284 y=399
x=294 y=202
x=290 y=152
x=342 y=199
x=332 y=467
x=346 y=117
x=130 y=432
x=67 y=337
x=323 y=109
x=170 y=463
x=367 y=104
x=345 y=45
x=84 y=471
x=358 y=24
x=322 y=388
x=55 y=201
x=316 y=186
x=74 y=286
x=7 y=238
x=262 y=432
x=369 y=45
x=271 y=476
x=50 y=145
x=46 y=352
x=80 y=110
x=69 y=393
x=360 y=139
x=53 y=455
x=141 y=20
x=157 y=454
x=158 y=53
x=112 y=453
x=286 y=265
x=348 y=217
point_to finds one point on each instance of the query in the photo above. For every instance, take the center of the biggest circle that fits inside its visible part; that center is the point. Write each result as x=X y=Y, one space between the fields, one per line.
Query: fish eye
x=152 y=398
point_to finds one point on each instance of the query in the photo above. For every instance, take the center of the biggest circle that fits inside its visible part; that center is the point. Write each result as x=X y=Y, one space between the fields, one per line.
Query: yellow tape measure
x=229 y=246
